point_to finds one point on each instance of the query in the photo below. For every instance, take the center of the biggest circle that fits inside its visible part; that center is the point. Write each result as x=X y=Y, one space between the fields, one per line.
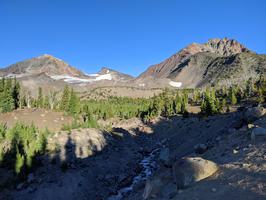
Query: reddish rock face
x=222 y=47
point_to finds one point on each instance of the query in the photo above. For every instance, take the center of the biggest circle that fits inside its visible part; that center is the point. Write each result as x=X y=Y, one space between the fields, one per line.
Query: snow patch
x=72 y=79
x=175 y=84
x=15 y=75
x=92 y=74
x=104 y=77
x=142 y=85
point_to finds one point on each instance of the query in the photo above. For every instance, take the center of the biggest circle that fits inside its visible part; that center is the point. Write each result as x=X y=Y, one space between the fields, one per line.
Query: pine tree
x=6 y=98
x=184 y=104
x=177 y=104
x=64 y=103
x=233 y=98
x=208 y=105
x=19 y=162
x=73 y=103
x=16 y=93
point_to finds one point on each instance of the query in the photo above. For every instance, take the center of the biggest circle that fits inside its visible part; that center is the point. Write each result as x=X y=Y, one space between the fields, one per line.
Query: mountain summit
x=220 y=47
x=46 y=64
x=218 y=61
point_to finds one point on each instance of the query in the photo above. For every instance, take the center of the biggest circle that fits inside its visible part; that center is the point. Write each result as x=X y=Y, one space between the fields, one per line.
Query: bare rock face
x=220 y=47
x=225 y=46
x=192 y=169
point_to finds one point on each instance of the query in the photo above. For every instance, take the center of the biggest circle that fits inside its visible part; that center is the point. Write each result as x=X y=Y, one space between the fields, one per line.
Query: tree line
x=211 y=100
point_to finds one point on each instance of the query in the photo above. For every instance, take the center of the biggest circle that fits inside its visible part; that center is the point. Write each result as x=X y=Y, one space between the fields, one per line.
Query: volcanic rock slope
x=219 y=61
x=52 y=73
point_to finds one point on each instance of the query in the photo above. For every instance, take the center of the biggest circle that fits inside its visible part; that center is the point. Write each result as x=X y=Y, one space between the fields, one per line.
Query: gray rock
x=192 y=169
x=258 y=133
x=31 y=189
x=252 y=114
x=155 y=184
x=200 y=148
x=164 y=157
x=30 y=178
x=231 y=131
x=250 y=126
x=20 y=186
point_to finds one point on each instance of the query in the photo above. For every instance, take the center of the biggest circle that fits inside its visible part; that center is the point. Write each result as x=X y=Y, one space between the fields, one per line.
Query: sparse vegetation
x=20 y=145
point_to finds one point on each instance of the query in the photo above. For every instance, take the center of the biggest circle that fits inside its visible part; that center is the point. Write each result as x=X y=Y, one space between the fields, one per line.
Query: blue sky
x=126 y=35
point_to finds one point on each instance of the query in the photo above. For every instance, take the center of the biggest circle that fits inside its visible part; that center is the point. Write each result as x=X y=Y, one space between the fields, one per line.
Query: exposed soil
x=242 y=173
x=40 y=117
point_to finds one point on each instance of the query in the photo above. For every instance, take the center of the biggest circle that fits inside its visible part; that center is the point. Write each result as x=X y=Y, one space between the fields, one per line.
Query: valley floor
x=117 y=154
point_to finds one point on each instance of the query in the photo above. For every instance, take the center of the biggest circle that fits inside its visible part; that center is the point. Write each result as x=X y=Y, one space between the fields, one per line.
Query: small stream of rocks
x=149 y=165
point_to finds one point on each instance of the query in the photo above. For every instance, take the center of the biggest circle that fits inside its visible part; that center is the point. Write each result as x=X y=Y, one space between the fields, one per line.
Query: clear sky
x=126 y=35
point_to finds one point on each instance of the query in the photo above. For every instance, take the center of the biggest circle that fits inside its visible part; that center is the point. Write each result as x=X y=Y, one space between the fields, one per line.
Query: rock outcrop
x=77 y=143
x=220 y=47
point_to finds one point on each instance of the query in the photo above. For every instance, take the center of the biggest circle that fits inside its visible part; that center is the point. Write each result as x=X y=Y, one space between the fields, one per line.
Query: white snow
x=92 y=74
x=104 y=77
x=72 y=79
x=175 y=84
x=15 y=75
x=142 y=85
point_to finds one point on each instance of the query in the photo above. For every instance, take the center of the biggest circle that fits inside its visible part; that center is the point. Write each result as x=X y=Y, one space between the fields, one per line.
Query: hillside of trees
x=26 y=142
x=170 y=102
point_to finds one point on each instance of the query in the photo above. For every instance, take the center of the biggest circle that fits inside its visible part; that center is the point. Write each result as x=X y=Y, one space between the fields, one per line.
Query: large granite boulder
x=189 y=170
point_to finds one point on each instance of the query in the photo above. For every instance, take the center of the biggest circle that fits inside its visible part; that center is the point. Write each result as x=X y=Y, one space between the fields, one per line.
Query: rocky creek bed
x=149 y=165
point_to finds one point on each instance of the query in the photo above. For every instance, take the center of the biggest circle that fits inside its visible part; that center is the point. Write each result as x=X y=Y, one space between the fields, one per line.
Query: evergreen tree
x=16 y=93
x=184 y=104
x=6 y=98
x=177 y=104
x=233 y=98
x=64 y=103
x=73 y=103
x=208 y=105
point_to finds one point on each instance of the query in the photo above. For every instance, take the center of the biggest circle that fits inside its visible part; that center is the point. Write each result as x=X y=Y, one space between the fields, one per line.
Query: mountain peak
x=48 y=56
x=105 y=70
x=45 y=63
x=217 y=46
x=226 y=46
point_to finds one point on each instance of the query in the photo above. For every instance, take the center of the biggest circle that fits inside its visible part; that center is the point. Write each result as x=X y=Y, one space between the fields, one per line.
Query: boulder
x=250 y=126
x=30 y=178
x=189 y=170
x=200 y=148
x=257 y=133
x=164 y=157
x=156 y=184
x=254 y=113
x=77 y=143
